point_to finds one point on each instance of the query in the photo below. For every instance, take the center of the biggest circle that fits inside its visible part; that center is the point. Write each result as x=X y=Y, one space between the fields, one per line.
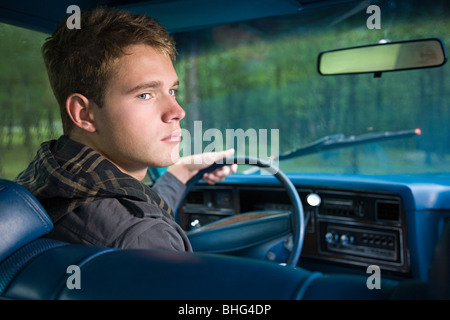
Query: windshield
x=254 y=86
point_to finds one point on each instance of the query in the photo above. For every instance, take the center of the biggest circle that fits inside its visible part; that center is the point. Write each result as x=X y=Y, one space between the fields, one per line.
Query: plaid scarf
x=66 y=174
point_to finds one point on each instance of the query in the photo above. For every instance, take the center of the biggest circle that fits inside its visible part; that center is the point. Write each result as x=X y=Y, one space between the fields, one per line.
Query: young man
x=116 y=86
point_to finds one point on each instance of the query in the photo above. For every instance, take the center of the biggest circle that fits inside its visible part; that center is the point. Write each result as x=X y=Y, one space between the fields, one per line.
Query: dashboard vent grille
x=388 y=210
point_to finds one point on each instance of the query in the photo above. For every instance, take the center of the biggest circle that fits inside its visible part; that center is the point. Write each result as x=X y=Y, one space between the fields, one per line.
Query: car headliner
x=175 y=15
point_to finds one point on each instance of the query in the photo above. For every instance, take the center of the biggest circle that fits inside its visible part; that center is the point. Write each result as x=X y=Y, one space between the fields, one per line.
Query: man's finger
x=213 y=157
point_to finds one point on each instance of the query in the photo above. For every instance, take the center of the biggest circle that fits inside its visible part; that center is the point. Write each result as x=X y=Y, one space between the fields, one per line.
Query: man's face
x=139 y=124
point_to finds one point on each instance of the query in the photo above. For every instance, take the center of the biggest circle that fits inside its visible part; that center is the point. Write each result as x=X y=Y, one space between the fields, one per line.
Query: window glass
x=260 y=77
x=29 y=113
x=254 y=86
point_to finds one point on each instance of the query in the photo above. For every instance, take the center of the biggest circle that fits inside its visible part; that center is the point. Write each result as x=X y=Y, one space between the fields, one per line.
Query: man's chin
x=165 y=159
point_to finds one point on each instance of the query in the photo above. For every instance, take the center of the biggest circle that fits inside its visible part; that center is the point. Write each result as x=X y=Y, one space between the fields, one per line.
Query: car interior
x=283 y=227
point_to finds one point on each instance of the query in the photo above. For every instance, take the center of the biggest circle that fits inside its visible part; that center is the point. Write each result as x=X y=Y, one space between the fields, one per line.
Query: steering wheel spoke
x=240 y=231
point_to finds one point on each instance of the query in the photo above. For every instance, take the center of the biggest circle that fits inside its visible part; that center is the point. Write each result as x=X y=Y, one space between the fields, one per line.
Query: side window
x=29 y=113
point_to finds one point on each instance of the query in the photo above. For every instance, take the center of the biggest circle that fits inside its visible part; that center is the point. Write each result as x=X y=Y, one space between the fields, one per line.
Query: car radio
x=359 y=228
x=376 y=243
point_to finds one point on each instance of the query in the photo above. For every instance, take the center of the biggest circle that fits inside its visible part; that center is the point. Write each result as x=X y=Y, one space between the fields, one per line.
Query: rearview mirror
x=383 y=57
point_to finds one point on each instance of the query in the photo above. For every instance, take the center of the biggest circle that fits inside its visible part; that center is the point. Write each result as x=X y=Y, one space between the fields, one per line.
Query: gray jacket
x=107 y=222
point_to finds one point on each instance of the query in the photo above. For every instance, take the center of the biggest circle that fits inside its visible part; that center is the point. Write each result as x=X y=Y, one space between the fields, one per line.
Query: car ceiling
x=175 y=15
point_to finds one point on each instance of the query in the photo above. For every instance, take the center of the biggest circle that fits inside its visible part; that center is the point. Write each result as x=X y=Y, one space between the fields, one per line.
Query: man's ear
x=79 y=109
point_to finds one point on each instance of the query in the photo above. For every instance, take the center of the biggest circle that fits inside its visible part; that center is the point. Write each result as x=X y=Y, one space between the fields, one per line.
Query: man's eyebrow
x=149 y=85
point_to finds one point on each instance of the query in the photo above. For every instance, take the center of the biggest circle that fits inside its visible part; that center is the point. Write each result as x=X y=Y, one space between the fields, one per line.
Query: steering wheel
x=251 y=228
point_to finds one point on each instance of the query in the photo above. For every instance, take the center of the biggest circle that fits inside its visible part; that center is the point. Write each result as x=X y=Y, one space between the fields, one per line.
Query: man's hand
x=187 y=167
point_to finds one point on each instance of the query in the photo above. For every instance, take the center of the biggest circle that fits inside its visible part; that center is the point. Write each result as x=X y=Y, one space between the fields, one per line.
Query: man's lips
x=173 y=137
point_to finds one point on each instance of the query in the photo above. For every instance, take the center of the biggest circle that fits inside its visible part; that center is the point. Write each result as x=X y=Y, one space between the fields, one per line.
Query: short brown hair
x=81 y=60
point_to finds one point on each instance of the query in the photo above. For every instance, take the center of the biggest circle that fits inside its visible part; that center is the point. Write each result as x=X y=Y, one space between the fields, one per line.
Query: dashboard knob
x=331 y=237
x=347 y=239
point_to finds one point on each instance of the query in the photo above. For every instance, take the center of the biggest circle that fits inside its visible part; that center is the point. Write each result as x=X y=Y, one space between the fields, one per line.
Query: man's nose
x=174 y=111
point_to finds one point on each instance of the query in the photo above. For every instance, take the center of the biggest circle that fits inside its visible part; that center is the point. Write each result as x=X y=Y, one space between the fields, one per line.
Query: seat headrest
x=22 y=218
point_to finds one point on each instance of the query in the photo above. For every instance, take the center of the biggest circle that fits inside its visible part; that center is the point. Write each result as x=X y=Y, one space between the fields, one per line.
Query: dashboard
x=351 y=221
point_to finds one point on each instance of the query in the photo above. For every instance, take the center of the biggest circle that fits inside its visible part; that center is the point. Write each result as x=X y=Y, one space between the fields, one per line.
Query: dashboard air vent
x=195 y=197
x=388 y=210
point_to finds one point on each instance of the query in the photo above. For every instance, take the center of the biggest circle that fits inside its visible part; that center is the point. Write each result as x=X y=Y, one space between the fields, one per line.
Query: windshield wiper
x=337 y=141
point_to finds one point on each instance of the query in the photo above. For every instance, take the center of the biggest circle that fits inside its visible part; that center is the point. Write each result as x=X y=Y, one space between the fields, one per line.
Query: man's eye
x=173 y=92
x=144 y=96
